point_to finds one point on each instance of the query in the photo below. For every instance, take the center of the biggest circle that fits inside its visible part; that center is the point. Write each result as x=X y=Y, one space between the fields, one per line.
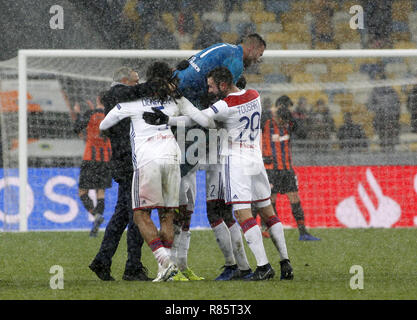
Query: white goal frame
x=23 y=55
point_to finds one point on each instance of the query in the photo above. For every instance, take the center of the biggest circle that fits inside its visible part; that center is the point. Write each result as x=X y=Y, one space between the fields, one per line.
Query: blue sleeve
x=235 y=65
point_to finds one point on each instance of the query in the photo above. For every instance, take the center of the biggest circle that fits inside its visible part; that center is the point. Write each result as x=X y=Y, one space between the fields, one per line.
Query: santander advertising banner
x=335 y=197
x=355 y=197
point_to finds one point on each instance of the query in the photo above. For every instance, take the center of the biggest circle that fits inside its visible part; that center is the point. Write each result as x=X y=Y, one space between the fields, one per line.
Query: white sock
x=253 y=236
x=222 y=234
x=162 y=256
x=238 y=247
x=175 y=244
x=277 y=235
x=183 y=246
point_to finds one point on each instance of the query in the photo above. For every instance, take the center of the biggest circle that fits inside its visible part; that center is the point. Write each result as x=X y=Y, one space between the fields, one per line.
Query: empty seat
x=275 y=78
x=341 y=68
x=302 y=77
x=298 y=46
x=278 y=6
x=222 y=27
x=267 y=27
x=405 y=45
x=316 y=68
x=236 y=17
x=350 y=45
x=213 y=16
x=401 y=9
x=262 y=16
x=230 y=37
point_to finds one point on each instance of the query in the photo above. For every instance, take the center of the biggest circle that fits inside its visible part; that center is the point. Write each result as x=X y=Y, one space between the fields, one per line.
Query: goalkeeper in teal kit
x=192 y=78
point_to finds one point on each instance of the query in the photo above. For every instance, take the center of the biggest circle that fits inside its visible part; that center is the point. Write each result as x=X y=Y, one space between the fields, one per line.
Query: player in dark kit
x=94 y=171
x=276 y=150
x=125 y=87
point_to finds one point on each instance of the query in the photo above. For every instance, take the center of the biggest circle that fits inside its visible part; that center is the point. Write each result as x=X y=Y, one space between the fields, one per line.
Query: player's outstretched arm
x=111 y=119
x=198 y=116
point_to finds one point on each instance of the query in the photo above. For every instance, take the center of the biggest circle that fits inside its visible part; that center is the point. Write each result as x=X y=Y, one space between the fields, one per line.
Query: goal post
x=49 y=62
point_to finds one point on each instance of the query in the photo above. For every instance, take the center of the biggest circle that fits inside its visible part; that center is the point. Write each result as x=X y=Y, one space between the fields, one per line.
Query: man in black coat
x=124 y=88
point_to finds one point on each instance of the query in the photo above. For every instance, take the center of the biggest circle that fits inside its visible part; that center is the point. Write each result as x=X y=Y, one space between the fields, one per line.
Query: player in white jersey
x=244 y=177
x=156 y=157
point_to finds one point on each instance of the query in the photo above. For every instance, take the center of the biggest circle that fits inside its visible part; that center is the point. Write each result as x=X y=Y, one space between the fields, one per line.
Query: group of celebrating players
x=206 y=94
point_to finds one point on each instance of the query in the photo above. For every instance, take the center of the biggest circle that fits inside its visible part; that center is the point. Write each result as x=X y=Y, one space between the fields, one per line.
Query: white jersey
x=149 y=142
x=240 y=114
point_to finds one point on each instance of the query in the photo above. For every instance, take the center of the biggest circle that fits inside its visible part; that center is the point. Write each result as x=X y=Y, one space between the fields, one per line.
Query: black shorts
x=95 y=175
x=282 y=181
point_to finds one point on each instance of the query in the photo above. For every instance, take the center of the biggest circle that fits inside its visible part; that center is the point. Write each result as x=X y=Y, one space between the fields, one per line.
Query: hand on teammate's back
x=155 y=118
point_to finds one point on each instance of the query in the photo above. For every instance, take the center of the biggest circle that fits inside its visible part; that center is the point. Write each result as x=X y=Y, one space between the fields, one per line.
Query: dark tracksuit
x=122 y=172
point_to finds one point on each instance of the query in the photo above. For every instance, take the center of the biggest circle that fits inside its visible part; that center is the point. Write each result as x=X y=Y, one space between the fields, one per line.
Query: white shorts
x=214 y=182
x=245 y=183
x=156 y=185
x=188 y=189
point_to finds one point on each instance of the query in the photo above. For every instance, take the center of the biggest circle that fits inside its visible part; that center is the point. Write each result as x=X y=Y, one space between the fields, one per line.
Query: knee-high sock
x=183 y=246
x=238 y=247
x=160 y=253
x=253 y=236
x=222 y=234
x=175 y=244
x=276 y=231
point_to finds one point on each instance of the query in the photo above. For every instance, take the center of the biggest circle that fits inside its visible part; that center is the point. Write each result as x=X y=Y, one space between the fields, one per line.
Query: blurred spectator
x=149 y=14
x=161 y=38
x=207 y=36
x=378 y=23
x=322 y=27
x=300 y=114
x=321 y=126
x=385 y=103
x=266 y=111
x=185 y=23
x=412 y=107
x=351 y=135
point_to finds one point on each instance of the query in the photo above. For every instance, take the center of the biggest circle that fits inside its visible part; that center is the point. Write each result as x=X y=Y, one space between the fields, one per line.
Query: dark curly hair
x=162 y=81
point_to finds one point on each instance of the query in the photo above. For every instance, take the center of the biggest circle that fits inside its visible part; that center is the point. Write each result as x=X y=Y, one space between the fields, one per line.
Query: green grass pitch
x=322 y=269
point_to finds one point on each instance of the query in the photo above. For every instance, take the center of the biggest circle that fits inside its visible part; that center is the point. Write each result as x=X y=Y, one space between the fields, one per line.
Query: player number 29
x=251 y=123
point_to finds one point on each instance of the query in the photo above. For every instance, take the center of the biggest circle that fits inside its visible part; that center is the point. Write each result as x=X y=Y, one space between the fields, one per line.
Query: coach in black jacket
x=124 y=88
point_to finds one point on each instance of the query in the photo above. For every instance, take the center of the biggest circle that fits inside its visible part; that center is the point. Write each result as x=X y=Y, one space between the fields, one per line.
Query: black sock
x=99 y=209
x=87 y=202
x=298 y=213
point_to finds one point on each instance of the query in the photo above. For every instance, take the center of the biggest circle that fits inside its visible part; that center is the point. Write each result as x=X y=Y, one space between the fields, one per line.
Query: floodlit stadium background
x=338 y=188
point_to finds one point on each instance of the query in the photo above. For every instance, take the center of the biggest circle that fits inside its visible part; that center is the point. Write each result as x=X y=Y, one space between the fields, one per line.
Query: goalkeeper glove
x=155 y=118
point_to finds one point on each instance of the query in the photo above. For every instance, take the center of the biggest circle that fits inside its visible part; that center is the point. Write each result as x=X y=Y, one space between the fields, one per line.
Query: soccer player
x=277 y=155
x=156 y=157
x=122 y=173
x=193 y=85
x=243 y=172
x=94 y=171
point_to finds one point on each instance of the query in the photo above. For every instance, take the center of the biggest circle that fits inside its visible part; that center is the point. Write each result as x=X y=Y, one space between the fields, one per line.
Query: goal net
x=367 y=181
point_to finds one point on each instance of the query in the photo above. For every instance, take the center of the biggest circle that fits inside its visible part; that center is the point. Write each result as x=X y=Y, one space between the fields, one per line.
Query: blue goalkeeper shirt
x=193 y=82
